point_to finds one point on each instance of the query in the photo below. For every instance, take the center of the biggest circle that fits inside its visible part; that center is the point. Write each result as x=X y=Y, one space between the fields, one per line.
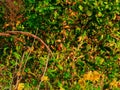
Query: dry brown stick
x=30 y=35
x=5 y=34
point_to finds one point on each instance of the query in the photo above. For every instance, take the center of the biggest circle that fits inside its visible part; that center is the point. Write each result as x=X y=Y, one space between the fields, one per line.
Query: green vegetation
x=60 y=44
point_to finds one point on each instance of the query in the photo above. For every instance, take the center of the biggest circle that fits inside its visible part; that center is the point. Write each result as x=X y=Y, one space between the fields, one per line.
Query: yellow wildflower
x=92 y=76
x=96 y=76
x=88 y=76
x=114 y=83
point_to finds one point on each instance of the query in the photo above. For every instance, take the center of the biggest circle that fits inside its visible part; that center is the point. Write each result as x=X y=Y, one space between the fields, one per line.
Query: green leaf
x=99 y=60
x=66 y=75
x=27 y=69
x=34 y=82
x=89 y=13
x=5 y=50
x=56 y=14
x=81 y=7
x=99 y=14
x=17 y=55
x=60 y=67
x=13 y=62
x=31 y=1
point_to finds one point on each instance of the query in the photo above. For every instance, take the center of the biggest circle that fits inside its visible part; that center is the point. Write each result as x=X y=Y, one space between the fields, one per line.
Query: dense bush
x=82 y=34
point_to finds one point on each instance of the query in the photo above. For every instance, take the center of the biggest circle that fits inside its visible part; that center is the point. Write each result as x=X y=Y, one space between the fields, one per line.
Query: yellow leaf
x=58 y=40
x=21 y=86
x=6 y=25
x=61 y=88
x=66 y=27
x=89 y=13
x=102 y=60
x=45 y=78
x=18 y=73
x=30 y=49
x=17 y=23
x=80 y=38
x=13 y=28
x=82 y=82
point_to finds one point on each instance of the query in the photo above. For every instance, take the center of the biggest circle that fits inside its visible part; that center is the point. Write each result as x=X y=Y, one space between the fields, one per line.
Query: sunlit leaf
x=21 y=86
x=89 y=13
x=44 y=78
x=80 y=7
x=17 y=55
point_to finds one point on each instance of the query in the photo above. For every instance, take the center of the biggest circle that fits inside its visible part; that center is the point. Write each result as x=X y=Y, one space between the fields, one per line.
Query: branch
x=5 y=34
x=30 y=35
x=8 y=33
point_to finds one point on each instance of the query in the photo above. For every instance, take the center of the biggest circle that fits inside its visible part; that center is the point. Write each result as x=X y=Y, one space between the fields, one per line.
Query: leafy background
x=82 y=34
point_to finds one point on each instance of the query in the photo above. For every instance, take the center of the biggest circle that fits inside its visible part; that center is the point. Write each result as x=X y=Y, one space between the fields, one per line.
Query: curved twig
x=28 y=34
x=8 y=33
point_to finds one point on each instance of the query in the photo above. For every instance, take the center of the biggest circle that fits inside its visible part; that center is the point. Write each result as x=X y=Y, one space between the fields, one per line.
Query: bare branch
x=30 y=35
x=5 y=34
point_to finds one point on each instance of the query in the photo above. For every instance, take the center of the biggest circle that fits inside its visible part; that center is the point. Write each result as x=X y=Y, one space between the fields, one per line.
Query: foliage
x=82 y=34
